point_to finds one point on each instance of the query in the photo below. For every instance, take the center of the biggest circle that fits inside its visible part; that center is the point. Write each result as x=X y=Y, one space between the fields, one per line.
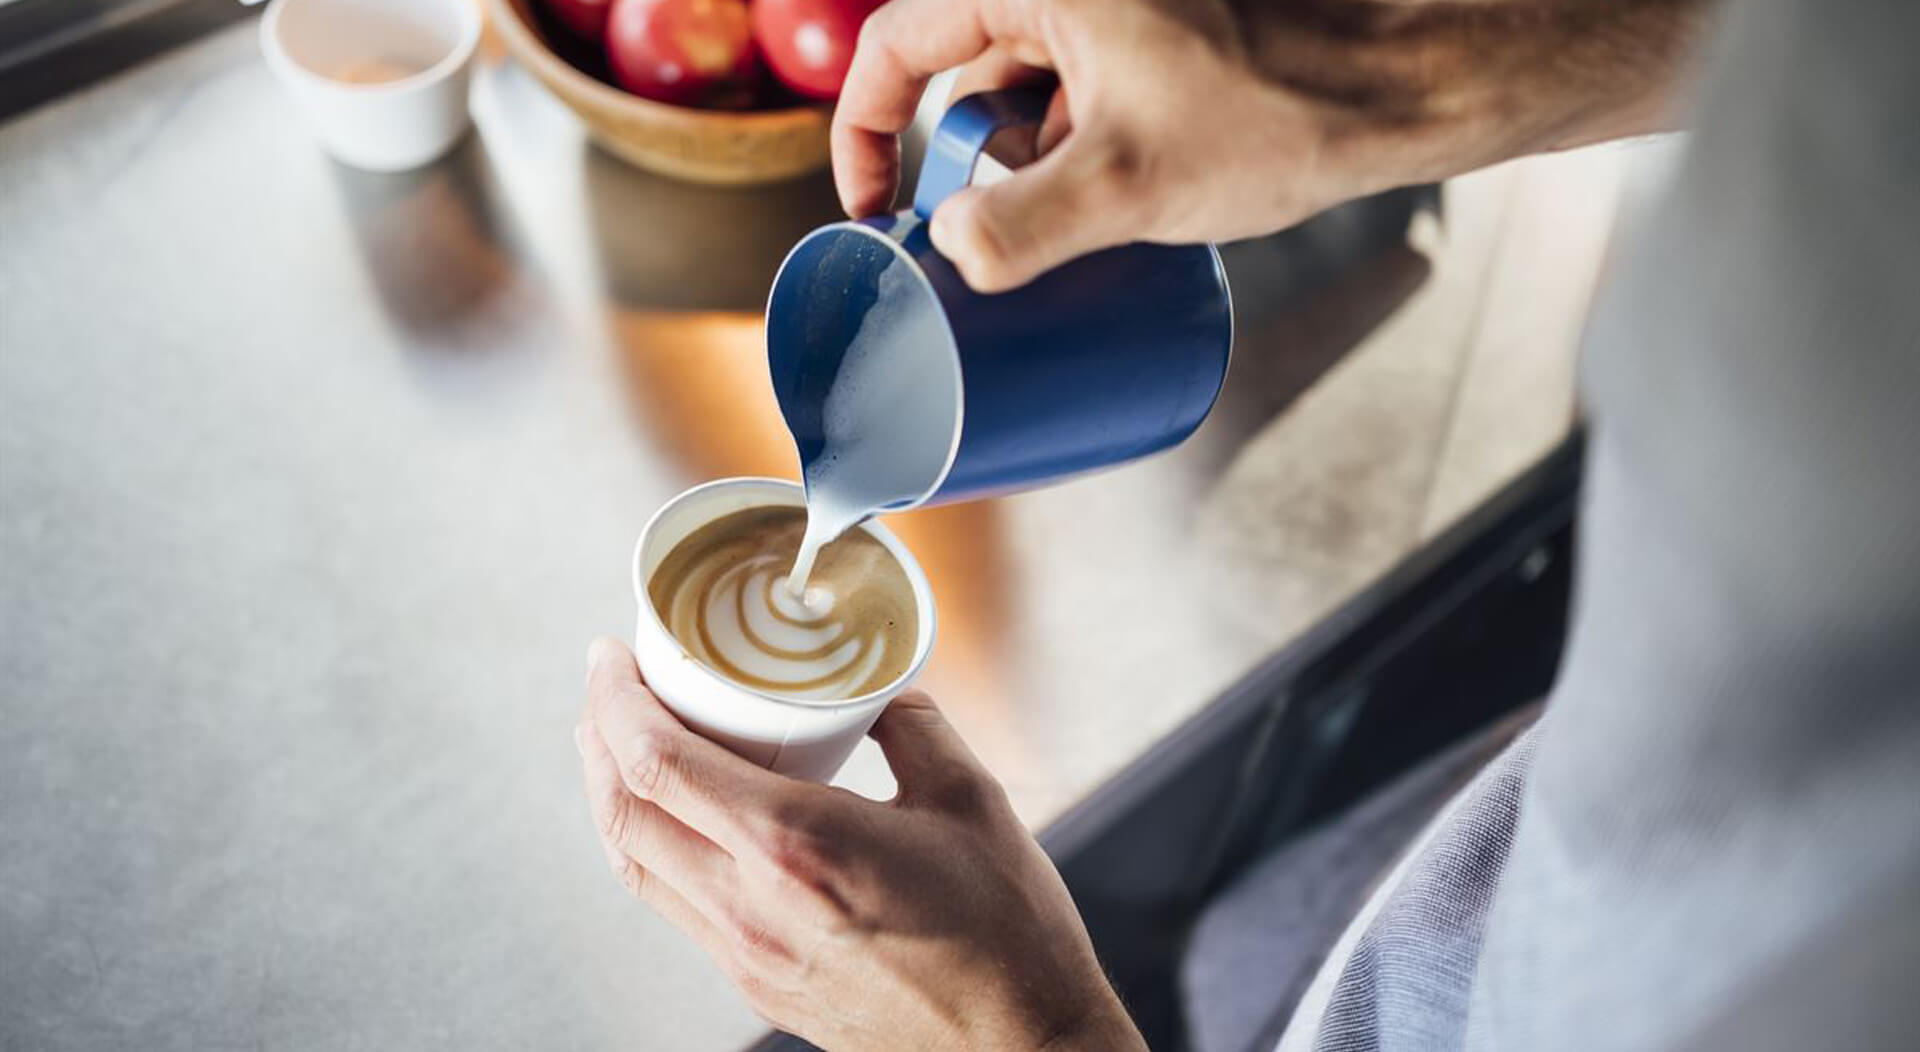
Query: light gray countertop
x=314 y=485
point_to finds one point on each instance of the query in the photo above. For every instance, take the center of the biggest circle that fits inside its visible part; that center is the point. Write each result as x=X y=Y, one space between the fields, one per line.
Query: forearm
x=1578 y=71
x=1472 y=82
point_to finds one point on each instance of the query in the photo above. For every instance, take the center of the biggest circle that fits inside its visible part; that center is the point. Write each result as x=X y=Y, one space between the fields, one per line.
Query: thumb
x=1058 y=208
x=926 y=754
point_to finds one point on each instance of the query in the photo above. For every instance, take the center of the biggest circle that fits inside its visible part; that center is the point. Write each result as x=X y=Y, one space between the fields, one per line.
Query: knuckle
x=970 y=796
x=654 y=762
x=751 y=984
x=805 y=859
x=975 y=237
x=877 y=30
x=825 y=901
x=1064 y=16
x=756 y=942
x=800 y=853
x=989 y=261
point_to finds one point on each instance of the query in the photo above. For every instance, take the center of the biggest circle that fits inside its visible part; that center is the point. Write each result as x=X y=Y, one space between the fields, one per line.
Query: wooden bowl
x=720 y=147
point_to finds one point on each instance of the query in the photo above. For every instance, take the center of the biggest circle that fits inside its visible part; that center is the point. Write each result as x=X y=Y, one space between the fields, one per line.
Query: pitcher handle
x=963 y=133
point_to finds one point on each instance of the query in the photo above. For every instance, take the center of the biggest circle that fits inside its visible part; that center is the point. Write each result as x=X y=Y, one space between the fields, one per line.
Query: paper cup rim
x=916 y=579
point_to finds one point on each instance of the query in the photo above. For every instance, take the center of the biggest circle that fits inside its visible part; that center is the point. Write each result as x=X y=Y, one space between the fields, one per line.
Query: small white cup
x=800 y=738
x=382 y=82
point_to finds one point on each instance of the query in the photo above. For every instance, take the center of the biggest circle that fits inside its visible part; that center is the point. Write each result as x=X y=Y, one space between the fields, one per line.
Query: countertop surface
x=314 y=485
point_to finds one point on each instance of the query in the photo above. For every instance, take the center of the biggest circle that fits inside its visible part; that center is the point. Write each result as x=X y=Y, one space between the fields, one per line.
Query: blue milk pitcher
x=1107 y=358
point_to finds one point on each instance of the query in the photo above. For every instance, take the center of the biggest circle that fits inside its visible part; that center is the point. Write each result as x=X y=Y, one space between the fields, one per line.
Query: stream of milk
x=890 y=418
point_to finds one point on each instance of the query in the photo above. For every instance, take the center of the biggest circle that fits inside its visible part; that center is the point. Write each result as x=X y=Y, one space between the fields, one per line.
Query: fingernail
x=580 y=740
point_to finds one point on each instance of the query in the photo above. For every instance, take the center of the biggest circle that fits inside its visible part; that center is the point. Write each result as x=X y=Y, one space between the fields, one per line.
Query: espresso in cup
x=723 y=593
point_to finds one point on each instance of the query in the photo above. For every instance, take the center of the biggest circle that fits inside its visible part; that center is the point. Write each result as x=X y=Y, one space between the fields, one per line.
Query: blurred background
x=315 y=482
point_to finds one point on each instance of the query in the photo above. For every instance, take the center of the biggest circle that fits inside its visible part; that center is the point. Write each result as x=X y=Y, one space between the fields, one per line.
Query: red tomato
x=809 y=43
x=585 y=17
x=690 y=52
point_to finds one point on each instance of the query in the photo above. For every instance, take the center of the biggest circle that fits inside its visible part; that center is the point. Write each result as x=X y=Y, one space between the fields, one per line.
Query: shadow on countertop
x=664 y=244
x=450 y=268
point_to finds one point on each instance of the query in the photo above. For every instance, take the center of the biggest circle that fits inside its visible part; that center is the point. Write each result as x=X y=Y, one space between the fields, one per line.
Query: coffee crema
x=722 y=594
x=378 y=71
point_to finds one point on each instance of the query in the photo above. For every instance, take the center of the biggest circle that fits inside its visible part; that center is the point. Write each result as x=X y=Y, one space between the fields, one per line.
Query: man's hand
x=1205 y=120
x=931 y=921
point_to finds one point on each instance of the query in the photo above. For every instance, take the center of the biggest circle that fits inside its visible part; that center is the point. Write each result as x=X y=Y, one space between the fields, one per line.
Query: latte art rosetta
x=723 y=596
x=750 y=627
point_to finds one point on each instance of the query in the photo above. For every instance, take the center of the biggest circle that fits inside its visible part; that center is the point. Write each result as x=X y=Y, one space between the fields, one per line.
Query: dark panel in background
x=51 y=47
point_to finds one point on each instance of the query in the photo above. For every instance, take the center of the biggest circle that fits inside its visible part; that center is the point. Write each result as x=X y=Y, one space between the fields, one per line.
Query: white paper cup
x=802 y=738
x=322 y=50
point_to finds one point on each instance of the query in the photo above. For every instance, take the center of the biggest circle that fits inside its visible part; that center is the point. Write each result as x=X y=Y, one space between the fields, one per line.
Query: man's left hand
x=929 y=921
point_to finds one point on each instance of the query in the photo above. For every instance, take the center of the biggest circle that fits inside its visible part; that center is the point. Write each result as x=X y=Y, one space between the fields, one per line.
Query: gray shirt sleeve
x=1724 y=796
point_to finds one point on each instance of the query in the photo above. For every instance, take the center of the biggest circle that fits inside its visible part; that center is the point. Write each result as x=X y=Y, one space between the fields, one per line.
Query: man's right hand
x=1204 y=120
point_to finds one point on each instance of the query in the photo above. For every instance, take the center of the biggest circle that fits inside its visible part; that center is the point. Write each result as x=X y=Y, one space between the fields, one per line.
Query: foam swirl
x=722 y=594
